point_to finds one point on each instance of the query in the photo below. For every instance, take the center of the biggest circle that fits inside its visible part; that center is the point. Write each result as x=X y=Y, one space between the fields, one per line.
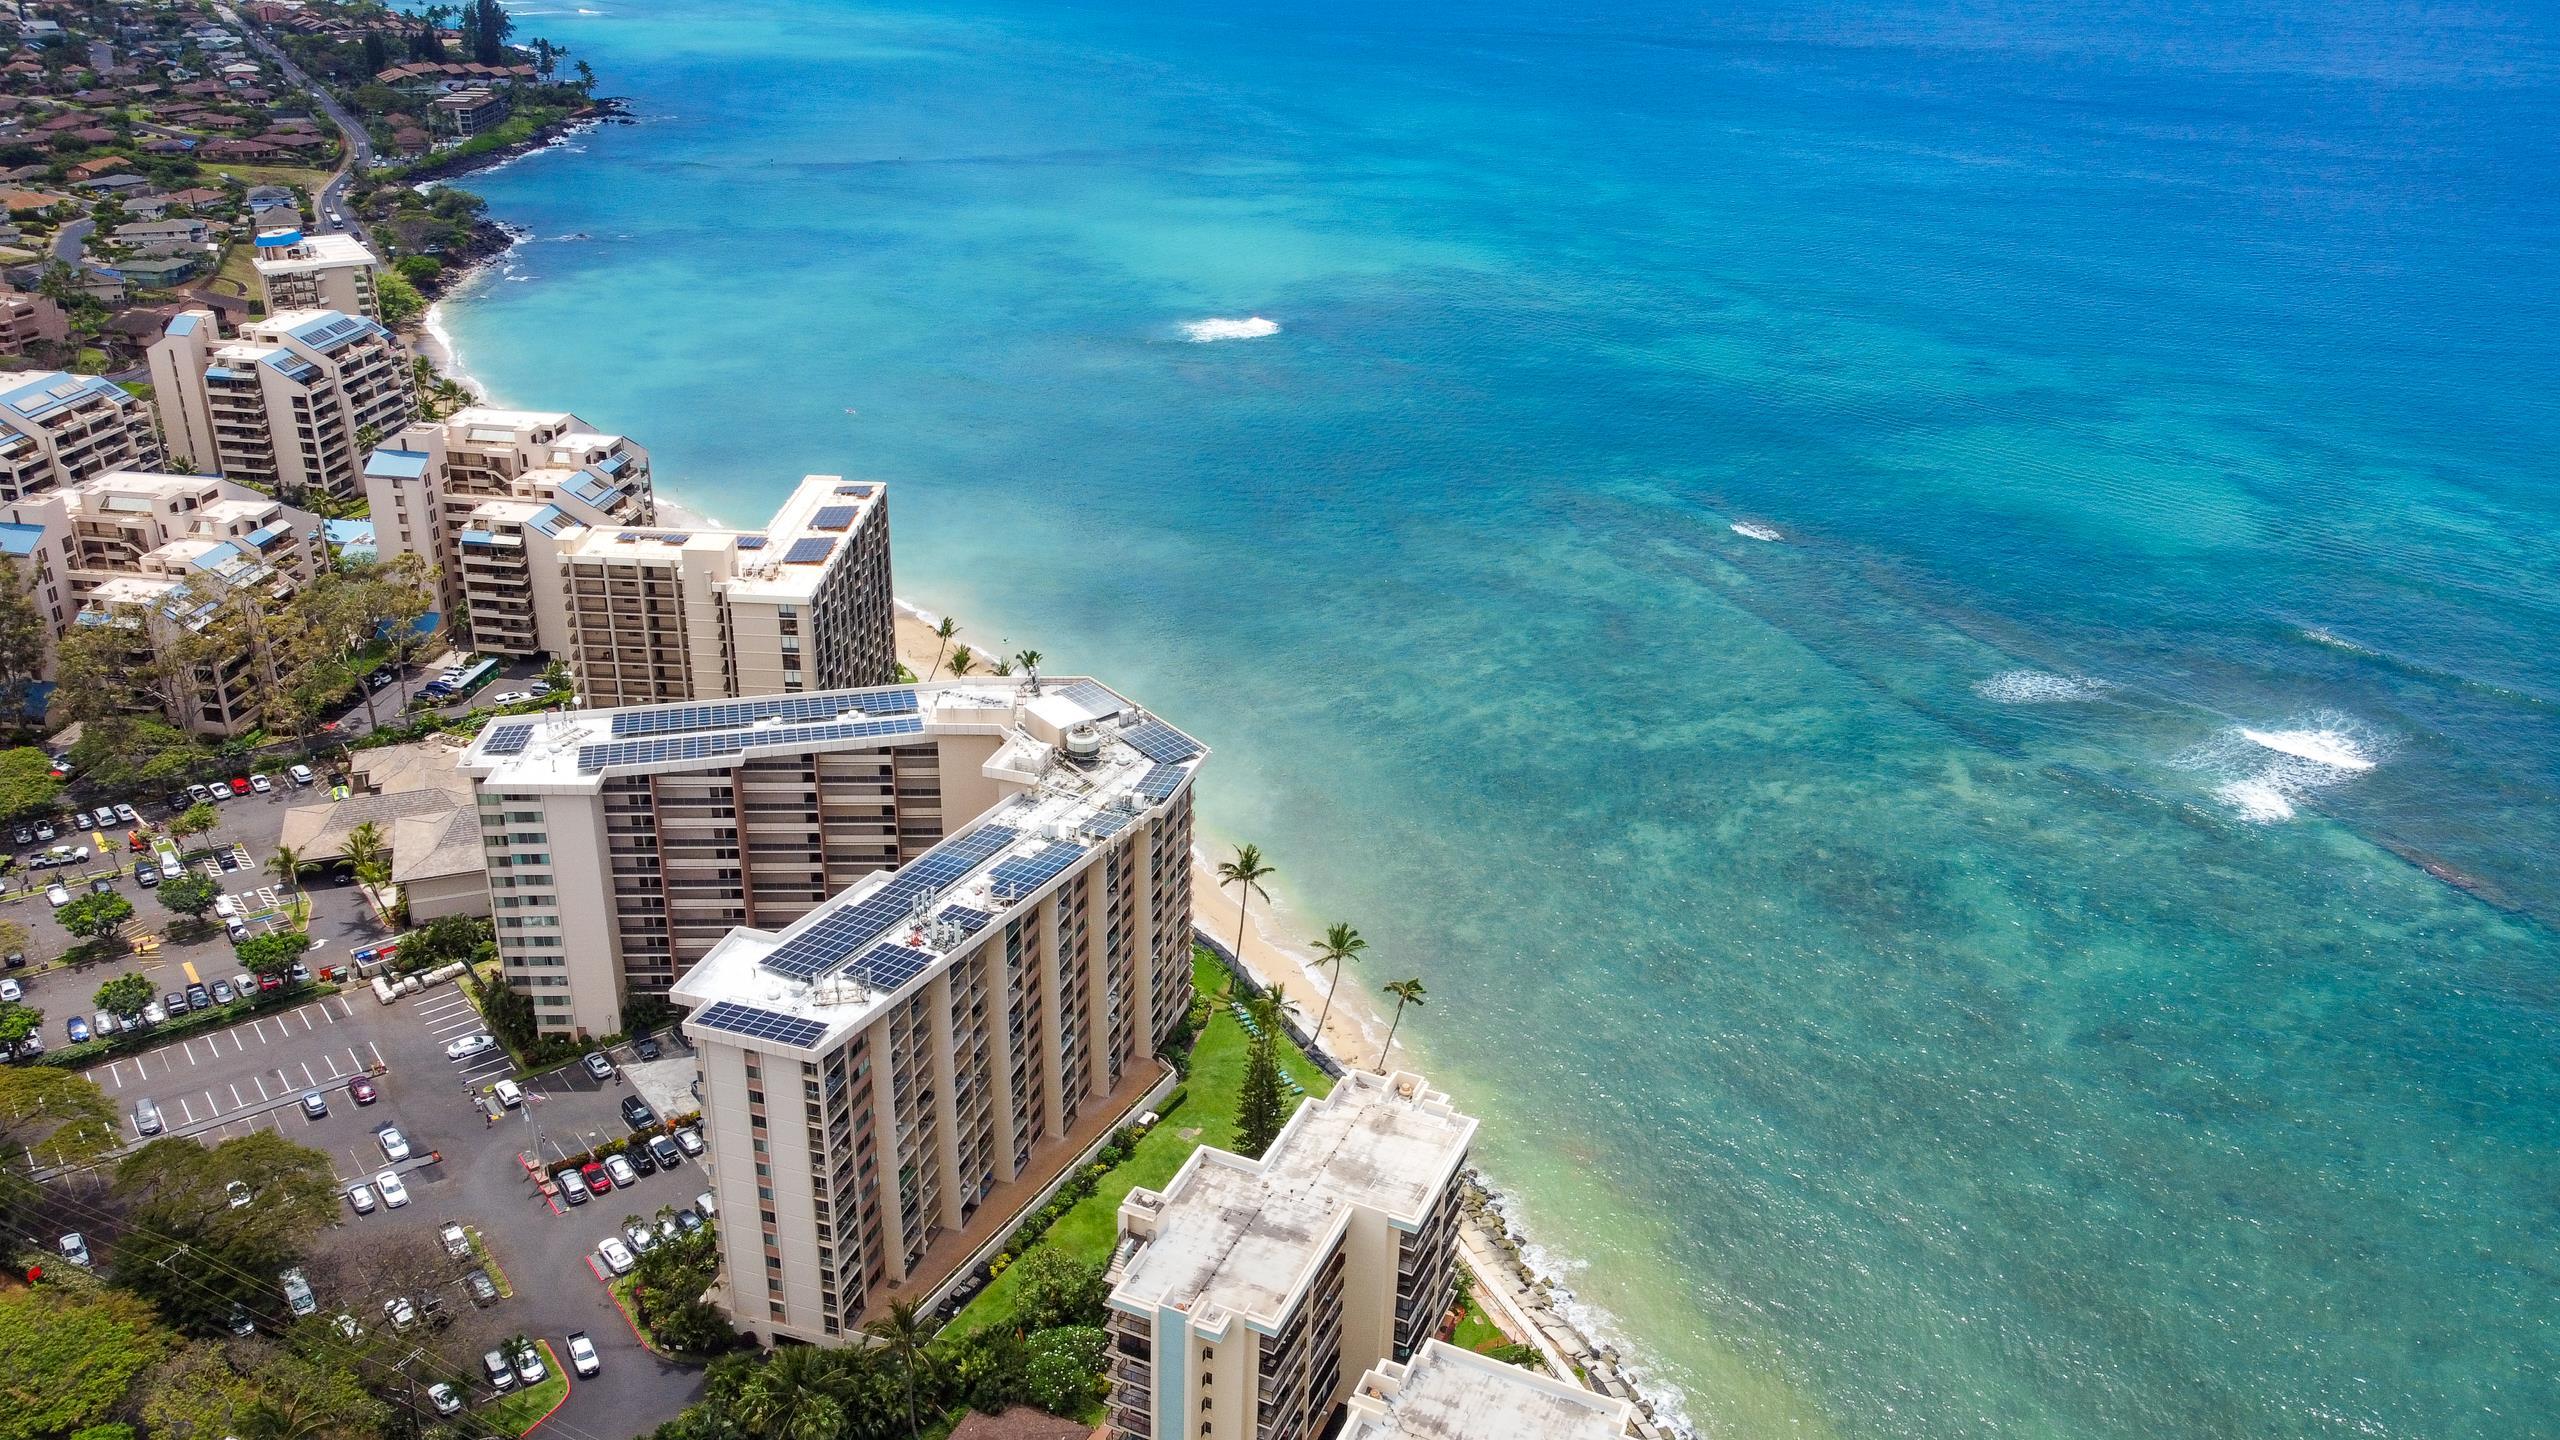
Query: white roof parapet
x=1445 y=1393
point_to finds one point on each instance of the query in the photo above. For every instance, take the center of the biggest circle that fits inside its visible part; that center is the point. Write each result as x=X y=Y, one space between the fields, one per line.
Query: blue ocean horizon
x=1938 y=630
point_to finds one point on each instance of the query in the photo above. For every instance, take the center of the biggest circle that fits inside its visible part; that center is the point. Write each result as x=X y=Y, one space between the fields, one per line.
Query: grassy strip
x=1215 y=1092
x=1476 y=1330
x=489 y=1262
x=520 y=1410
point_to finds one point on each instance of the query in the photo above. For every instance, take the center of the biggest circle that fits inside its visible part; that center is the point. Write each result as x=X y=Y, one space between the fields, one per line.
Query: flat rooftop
x=1238 y=1237
x=1445 y=1393
x=831 y=970
x=325 y=251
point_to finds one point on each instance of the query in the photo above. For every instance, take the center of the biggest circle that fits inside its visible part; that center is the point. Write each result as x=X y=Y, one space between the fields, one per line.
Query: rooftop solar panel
x=824 y=945
x=1160 y=782
x=728 y=714
x=832 y=517
x=758 y=1024
x=751 y=542
x=886 y=967
x=970 y=921
x=1158 y=741
x=593 y=759
x=1108 y=823
x=1023 y=874
x=507 y=739
x=1095 y=700
x=810 y=551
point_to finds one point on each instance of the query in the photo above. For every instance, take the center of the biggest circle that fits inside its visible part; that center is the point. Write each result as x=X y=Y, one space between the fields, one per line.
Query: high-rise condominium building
x=1445 y=1393
x=892 y=1060
x=291 y=406
x=157 y=555
x=484 y=471
x=297 y=271
x=1248 y=1295
x=58 y=430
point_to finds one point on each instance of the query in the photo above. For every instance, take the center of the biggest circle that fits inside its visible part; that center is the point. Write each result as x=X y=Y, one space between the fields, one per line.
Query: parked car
x=102 y=885
x=399 y=1312
x=394 y=1194
x=619 y=1167
x=484 y=1291
x=45 y=830
x=297 y=1293
x=239 y=784
x=300 y=775
x=315 y=1104
x=146 y=1117
x=687 y=1221
x=17 y=960
x=26 y=835
x=470 y=1045
x=444 y=1398
x=582 y=1354
x=666 y=1152
x=77 y=1029
x=80 y=821
x=146 y=874
x=175 y=1002
x=239 y=1193
x=12 y=990
x=637 y=1114
x=615 y=1255
x=510 y=697
x=199 y=998
x=127 y=815
x=509 y=1094
x=500 y=1370
x=596 y=1177
x=155 y=1013
x=641 y=1160
x=598 y=1067
x=573 y=1185
x=362 y=1090
x=56 y=896
x=223 y=994
x=261 y=784
x=642 y=1238
x=707 y=1204
x=360 y=1195
x=395 y=1146
x=75 y=1248
x=646 y=1048
x=529 y=1366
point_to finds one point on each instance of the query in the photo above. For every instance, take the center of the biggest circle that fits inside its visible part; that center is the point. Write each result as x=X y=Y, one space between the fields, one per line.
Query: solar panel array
x=824 y=945
x=809 y=551
x=758 y=1024
x=507 y=739
x=1108 y=823
x=751 y=542
x=1096 y=700
x=886 y=967
x=1160 y=782
x=832 y=517
x=729 y=714
x=1158 y=741
x=969 y=920
x=595 y=758
x=1023 y=874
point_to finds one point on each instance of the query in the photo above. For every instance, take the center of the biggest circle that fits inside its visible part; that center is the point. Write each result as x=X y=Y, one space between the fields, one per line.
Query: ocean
x=1936 y=627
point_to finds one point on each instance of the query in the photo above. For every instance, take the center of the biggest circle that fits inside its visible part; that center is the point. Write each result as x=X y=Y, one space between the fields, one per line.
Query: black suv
x=637 y=1114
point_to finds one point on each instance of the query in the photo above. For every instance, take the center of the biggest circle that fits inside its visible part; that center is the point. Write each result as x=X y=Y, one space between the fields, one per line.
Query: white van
x=508 y=1094
x=225 y=906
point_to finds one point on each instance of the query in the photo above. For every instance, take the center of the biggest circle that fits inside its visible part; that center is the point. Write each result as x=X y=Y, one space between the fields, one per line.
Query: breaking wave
x=1753 y=530
x=2265 y=775
x=1253 y=328
x=2035 y=687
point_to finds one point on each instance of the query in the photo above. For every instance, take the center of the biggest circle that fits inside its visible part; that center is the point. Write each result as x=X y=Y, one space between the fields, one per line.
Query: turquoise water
x=2056 y=942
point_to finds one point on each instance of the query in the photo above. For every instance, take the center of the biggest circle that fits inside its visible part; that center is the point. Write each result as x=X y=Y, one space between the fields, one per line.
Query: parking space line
x=377 y=1055
x=346 y=1008
x=186 y=1109
x=237 y=1044
x=308 y=1078
x=307 y=1026
x=235 y=1097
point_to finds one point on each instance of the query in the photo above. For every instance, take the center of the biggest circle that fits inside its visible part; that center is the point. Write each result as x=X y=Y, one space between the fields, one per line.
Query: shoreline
x=1521 y=1284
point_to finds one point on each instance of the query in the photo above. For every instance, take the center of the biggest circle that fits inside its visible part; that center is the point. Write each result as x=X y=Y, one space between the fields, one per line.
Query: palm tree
x=791 y=1396
x=286 y=866
x=1003 y=667
x=1407 y=992
x=1340 y=943
x=1248 y=871
x=366 y=857
x=962 y=662
x=1027 y=659
x=908 y=1334
x=948 y=628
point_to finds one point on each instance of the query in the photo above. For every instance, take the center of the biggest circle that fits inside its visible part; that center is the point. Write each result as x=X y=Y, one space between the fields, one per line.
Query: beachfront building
x=290 y=406
x=1247 y=1295
x=1445 y=1393
x=58 y=430
x=318 y=272
x=157 y=555
x=543 y=559
x=487 y=471
x=930 y=939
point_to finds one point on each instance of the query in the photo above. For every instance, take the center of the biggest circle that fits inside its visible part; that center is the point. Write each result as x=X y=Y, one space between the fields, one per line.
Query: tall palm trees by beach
x=1407 y=992
x=944 y=631
x=1247 y=870
x=1340 y=943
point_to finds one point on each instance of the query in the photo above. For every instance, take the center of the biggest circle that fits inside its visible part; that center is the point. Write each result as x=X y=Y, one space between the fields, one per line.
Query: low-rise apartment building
x=1248 y=1295
x=488 y=471
x=1445 y=1393
x=291 y=406
x=941 y=932
x=58 y=430
x=27 y=319
x=157 y=554
x=318 y=272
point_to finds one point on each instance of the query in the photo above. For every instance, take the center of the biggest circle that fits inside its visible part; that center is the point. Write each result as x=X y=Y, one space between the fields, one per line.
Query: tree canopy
x=67 y=1356
x=97 y=915
x=27 y=786
x=187 y=894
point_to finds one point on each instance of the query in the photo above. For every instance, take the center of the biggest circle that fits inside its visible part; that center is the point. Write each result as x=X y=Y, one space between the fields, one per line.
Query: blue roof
x=592 y=488
x=20 y=540
x=50 y=390
x=392 y=464
x=219 y=556
x=330 y=329
x=264 y=534
x=181 y=324
x=553 y=521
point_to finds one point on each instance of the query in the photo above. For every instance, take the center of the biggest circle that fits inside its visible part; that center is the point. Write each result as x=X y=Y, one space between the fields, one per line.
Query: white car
x=456 y=1243
x=347 y=1325
x=400 y=1312
x=394 y=1194
x=299 y=775
x=704 y=1203
x=261 y=784
x=56 y=896
x=582 y=1354
x=529 y=1366
x=361 y=1197
x=643 y=1239
x=12 y=990
x=511 y=697
x=615 y=1255
x=395 y=1146
x=470 y=1045
x=75 y=1248
x=238 y=1190
x=446 y=1401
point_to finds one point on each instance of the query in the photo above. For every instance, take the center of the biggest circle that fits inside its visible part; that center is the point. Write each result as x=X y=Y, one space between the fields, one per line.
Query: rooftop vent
x=1084 y=747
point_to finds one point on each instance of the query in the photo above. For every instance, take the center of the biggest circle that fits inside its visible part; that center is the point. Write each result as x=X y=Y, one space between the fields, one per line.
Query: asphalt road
x=332 y=199
x=68 y=240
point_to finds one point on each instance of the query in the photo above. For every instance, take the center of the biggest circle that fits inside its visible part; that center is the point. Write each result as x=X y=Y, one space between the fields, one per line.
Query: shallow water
x=1934 y=629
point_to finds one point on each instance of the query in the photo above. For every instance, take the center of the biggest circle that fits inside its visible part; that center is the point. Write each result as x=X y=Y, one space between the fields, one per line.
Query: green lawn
x=1208 y=1117
x=516 y=1411
x=1475 y=1331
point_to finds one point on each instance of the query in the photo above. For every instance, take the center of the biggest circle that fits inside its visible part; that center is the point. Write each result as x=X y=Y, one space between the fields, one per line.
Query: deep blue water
x=2058 y=942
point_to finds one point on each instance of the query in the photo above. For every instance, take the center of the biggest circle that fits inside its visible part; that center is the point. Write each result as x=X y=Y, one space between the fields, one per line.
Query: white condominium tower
x=893 y=1061
x=318 y=272
x=58 y=430
x=292 y=406
x=1247 y=1295
x=1445 y=1393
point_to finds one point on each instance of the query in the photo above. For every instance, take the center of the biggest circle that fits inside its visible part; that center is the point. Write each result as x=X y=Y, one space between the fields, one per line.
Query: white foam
x=1253 y=328
x=1751 y=530
x=2035 y=687
x=2332 y=748
x=2261 y=801
x=1591 y=1321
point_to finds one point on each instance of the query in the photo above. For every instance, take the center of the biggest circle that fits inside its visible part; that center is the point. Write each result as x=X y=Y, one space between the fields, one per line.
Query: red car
x=361 y=1090
x=239 y=784
x=269 y=982
x=595 y=1176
